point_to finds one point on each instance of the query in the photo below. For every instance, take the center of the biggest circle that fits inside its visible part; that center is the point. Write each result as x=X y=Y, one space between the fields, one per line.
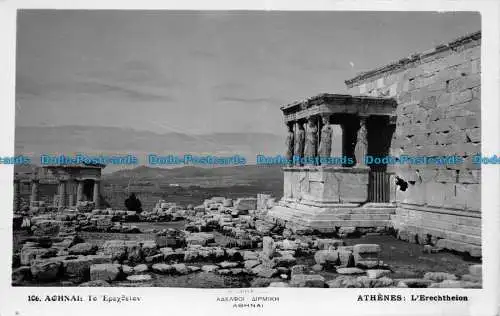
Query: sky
x=204 y=72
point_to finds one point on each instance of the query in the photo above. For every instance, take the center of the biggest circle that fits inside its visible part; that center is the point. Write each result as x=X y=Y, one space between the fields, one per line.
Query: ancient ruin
x=342 y=221
x=77 y=185
x=426 y=105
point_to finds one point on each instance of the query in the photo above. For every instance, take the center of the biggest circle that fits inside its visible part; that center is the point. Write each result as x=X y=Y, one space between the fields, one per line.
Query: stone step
x=473 y=250
x=342 y=211
x=450 y=235
x=438 y=225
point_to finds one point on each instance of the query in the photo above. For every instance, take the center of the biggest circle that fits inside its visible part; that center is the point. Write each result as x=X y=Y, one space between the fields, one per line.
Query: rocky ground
x=216 y=245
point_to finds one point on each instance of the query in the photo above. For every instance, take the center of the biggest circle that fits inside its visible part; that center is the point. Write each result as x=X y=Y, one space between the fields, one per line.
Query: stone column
x=17 y=195
x=325 y=141
x=311 y=144
x=62 y=193
x=290 y=142
x=299 y=142
x=71 y=193
x=361 y=148
x=96 y=193
x=34 y=191
x=79 y=191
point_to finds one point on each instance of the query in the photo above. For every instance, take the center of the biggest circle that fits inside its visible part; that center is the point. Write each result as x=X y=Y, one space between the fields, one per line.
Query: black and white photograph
x=250 y=154
x=248 y=149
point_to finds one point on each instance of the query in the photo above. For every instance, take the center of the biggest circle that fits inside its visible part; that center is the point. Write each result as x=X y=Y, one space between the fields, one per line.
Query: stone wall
x=439 y=102
x=325 y=185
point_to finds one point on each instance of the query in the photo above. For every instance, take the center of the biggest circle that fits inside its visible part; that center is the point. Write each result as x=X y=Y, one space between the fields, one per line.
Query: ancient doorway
x=88 y=188
x=379 y=142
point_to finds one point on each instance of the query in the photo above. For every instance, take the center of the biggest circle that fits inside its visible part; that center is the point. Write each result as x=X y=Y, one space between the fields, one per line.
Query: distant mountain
x=94 y=140
x=246 y=172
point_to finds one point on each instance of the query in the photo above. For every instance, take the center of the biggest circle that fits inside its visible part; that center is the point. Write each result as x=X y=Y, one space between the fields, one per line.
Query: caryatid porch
x=322 y=191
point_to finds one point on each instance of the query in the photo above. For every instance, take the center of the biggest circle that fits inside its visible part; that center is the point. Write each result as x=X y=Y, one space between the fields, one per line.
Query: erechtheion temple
x=426 y=105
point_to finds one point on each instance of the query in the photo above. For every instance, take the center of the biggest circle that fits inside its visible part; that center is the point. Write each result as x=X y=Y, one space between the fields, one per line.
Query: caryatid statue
x=325 y=144
x=290 y=139
x=361 y=147
x=299 y=142
x=311 y=147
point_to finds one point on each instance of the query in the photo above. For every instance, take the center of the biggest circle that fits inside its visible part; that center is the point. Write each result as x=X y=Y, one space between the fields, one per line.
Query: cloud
x=249 y=100
x=26 y=86
x=138 y=72
x=121 y=90
x=240 y=93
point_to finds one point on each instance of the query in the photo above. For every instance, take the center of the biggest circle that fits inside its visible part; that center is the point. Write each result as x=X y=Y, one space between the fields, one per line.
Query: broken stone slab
x=149 y=248
x=249 y=264
x=471 y=278
x=368 y=264
x=117 y=249
x=476 y=270
x=209 y=268
x=439 y=276
x=180 y=268
x=20 y=274
x=237 y=271
x=268 y=263
x=285 y=261
x=289 y=245
x=268 y=247
x=134 y=251
x=127 y=270
x=105 y=271
x=139 y=278
x=245 y=204
x=367 y=282
x=278 y=284
x=46 y=228
x=78 y=267
x=83 y=249
x=45 y=270
x=264 y=272
x=95 y=283
x=141 y=268
x=223 y=271
x=154 y=259
x=298 y=269
x=377 y=273
x=191 y=255
x=344 y=281
x=29 y=254
x=284 y=253
x=201 y=239
x=193 y=268
x=366 y=248
x=413 y=283
x=327 y=243
x=346 y=231
x=307 y=280
x=326 y=256
x=317 y=268
x=228 y=265
x=264 y=227
x=456 y=284
x=345 y=256
x=350 y=271
x=162 y=268
x=366 y=252
x=250 y=255
x=96 y=259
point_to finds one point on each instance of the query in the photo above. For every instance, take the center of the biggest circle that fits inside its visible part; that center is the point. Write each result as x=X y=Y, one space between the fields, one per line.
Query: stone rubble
x=216 y=240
